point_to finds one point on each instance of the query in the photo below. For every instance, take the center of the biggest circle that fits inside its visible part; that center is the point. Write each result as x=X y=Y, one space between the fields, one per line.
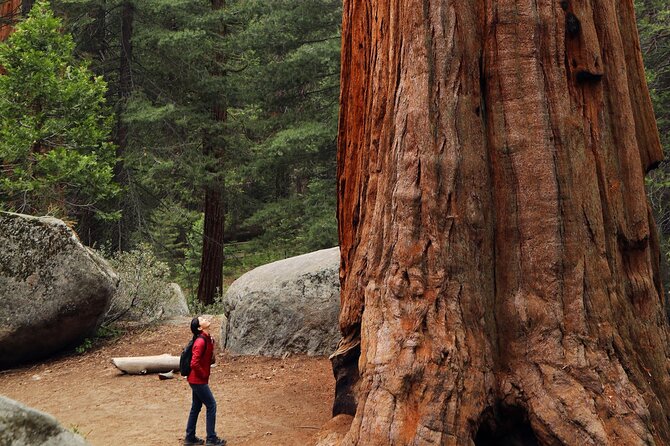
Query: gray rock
x=53 y=290
x=23 y=426
x=176 y=304
x=289 y=306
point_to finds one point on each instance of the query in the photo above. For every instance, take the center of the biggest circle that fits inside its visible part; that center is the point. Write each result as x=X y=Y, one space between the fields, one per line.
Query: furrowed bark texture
x=498 y=252
x=210 y=284
x=211 y=263
x=10 y=13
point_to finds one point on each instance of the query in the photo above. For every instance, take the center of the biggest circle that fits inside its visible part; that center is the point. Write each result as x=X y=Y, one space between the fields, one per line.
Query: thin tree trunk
x=499 y=260
x=211 y=265
x=125 y=82
x=125 y=90
x=26 y=6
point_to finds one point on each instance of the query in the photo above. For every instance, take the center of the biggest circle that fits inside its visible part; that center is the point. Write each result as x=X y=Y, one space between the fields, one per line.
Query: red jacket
x=202 y=359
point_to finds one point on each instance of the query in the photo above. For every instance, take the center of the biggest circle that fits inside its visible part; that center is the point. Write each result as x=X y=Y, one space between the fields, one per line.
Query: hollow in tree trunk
x=499 y=259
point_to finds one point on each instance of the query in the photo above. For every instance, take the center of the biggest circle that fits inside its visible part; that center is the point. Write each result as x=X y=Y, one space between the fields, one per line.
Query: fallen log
x=140 y=365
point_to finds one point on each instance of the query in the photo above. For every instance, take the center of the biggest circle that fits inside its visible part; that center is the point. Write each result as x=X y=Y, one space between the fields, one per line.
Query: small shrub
x=197 y=307
x=143 y=287
x=102 y=333
x=85 y=346
x=74 y=428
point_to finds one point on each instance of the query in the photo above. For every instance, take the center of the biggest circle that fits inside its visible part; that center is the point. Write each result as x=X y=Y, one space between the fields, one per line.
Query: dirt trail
x=261 y=401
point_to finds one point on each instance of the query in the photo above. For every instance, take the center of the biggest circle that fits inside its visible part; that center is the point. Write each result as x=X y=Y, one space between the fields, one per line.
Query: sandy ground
x=261 y=401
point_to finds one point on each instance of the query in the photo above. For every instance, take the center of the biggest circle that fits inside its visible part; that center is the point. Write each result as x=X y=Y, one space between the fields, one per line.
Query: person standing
x=198 y=379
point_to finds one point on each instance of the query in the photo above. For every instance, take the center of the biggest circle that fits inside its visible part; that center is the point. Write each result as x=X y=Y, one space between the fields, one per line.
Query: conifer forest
x=200 y=134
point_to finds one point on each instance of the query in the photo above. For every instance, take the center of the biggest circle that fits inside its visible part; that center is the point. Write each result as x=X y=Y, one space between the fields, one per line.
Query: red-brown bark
x=210 y=284
x=499 y=259
x=10 y=11
x=211 y=265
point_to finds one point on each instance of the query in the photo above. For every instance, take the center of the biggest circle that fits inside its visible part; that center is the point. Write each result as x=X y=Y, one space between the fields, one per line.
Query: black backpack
x=186 y=355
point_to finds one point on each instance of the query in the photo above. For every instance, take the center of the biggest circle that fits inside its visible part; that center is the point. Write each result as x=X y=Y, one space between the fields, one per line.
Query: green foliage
x=275 y=68
x=176 y=237
x=190 y=268
x=300 y=223
x=289 y=192
x=171 y=232
x=197 y=307
x=74 y=428
x=272 y=69
x=54 y=125
x=86 y=345
x=654 y=27
x=179 y=52
x=178 y=145
x=103 y=333
x=143 y=287
x=244 y=256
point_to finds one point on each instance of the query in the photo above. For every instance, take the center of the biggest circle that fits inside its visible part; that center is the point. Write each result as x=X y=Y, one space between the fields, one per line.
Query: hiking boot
x=216 y=442
x=193 y=441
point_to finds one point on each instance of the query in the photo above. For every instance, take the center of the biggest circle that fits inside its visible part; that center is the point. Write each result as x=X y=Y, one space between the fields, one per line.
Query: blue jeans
x=202 y=395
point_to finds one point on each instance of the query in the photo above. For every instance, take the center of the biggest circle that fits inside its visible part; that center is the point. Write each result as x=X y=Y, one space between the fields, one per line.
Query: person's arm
x=198 y=352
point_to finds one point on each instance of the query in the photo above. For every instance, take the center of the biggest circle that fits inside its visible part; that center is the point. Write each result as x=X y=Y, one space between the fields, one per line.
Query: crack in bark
x=467 y=303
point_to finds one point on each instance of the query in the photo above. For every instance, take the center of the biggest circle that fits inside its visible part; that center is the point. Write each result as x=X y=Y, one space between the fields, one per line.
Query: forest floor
x=261 y=401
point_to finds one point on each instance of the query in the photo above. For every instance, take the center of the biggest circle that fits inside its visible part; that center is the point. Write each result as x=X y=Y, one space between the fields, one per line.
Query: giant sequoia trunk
x=499 y=260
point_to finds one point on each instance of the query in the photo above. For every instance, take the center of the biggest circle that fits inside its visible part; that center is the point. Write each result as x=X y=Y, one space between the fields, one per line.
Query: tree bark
x=121 y=134
x=10 y=12
x=499 y=260
x=211 y=265
x=125 y=83
x=26 y=6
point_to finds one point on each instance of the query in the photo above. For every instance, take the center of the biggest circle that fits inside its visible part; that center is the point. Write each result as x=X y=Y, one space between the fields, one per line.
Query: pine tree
x=54 y=125
x=653 y=19
x=179 y=115
x=295 y=85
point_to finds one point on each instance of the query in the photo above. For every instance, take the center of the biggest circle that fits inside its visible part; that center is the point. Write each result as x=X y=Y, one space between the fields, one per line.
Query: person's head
x=198 y=324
